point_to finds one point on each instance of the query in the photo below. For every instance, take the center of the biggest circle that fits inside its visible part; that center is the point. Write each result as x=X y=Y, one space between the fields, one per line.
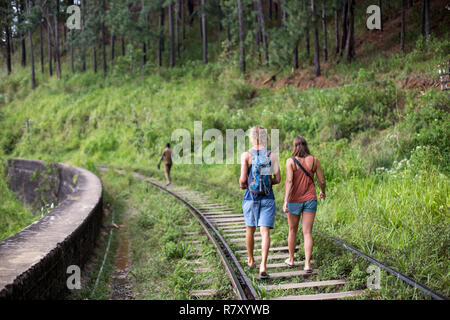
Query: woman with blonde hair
x=259 y=171
x=301 y=198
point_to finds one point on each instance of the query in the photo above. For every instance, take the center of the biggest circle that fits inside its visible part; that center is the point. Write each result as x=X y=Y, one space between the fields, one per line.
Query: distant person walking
x=167 y=157
x=259 y=171
x=300 y=197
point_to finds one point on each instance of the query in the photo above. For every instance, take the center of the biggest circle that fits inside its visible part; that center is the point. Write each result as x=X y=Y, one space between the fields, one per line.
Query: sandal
x=253 y=266
x=290 y=266
x=308 y=270
x=264 y=276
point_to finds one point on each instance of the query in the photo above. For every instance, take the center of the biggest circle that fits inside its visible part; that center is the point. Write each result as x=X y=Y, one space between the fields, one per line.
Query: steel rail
x=382 y=265
x=237 y=275
x=399 y=275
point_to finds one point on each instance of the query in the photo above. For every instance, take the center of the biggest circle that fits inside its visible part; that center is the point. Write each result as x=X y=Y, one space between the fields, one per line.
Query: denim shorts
x=299 y=207
x=259 y=213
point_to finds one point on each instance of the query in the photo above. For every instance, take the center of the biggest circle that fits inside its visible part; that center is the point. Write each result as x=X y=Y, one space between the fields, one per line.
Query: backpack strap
x=304 y=170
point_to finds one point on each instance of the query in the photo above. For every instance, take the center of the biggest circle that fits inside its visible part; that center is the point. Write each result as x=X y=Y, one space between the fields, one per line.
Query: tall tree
x=325 y=35
x=204 y=35
x=402 y=33
x=160 y=36
x=41 y=44
x=241 y=34
x=336 y=26
x=427 y=20
x=316 y=40
x=56 y=33
x=262 y=26
x=380 y=4
x=344 y=22
x=350 y=43
x=20 y=13
x=183 y=24
x=171 y=38
x=5 y=23
x=83 y=45
x=306 y=28
x=30 y=38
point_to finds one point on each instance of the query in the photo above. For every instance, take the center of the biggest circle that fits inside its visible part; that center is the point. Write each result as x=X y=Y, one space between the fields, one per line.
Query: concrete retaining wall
x=33 y=262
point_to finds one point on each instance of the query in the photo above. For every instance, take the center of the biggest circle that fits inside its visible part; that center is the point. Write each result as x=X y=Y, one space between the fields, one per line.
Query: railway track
x=225 y=229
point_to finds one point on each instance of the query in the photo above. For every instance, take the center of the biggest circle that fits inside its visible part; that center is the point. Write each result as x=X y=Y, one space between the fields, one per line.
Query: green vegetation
x=14 y=216
x=160 y=252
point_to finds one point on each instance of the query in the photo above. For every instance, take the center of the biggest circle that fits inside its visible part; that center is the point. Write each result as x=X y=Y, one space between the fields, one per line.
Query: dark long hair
x=300 y=147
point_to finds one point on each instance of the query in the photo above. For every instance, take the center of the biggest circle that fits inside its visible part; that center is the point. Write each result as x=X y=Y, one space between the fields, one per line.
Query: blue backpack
x=260 y=177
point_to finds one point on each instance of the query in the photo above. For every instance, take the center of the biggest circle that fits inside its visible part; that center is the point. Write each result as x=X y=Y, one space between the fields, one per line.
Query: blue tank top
x=249 y=196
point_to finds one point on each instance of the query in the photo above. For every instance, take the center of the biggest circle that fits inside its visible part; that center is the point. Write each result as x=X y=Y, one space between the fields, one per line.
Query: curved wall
x=33 y=262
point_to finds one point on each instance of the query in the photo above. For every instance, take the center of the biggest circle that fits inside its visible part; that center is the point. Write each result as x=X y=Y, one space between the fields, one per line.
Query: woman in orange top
x=300 y=197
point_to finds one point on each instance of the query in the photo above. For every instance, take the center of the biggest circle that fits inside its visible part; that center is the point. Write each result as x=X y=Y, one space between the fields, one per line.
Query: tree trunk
x=295 y=62
x=41 y=46
x=105 y=66
x=350 y=49
x=83 y=46
x=94 y=55
x=123 y=46
x=144 y=55
x=336 y=28
x=306 y=30
x=269 y=8
x=204 y=35
x=241 y=34
x=113 y=47
x=190 y=5
x=402 y=33
x=160 y=31
x=22 y=36
x=8 y=49
x=177 y=33
x=422 y=25
x=172 y=51
x=427 y=20
x=344 y=26
x=183 y=24
x=30 y=38
x=258 y=36
x=220 y=15
x=380 y=4
x=50 y=54
x=316 y=40
x=324 y=27
x=57 y=61
x=263 y=30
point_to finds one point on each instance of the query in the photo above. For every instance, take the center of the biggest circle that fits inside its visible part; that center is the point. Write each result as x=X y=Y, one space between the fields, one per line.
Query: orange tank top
x=302 y=186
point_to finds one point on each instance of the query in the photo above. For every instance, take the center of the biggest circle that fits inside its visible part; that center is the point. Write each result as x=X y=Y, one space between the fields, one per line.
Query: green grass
x=160 y=253
x=14 y=216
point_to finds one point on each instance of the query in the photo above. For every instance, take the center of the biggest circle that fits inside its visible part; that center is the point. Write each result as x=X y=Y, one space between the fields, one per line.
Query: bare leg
x=293 y=221
x=307 y=224
x=167 y=172
x=265 y=244
x=250 y=242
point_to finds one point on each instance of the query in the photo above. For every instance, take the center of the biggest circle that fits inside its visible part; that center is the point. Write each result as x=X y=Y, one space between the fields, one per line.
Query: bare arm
x=321 y=179
x=276 y=169
x=162 y=156
x=244 y=170
x=288 y=183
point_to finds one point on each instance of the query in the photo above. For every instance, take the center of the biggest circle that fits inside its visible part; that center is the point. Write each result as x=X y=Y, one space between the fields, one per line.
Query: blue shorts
x=299 y=207
x=260 y=213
